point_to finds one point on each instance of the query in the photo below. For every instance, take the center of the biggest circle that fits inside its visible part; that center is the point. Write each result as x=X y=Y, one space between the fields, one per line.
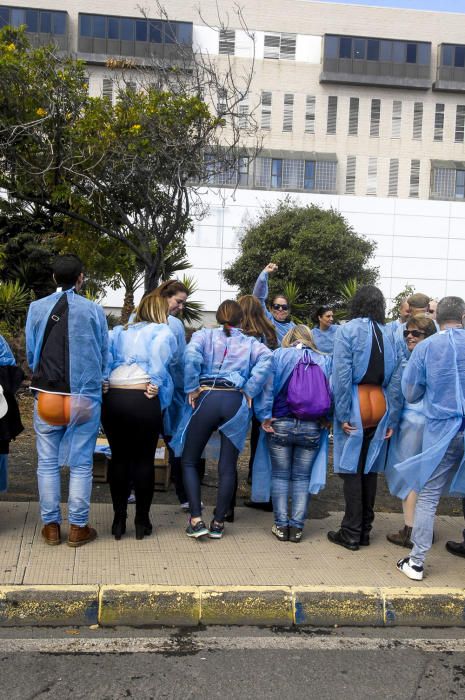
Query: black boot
x=118 y=527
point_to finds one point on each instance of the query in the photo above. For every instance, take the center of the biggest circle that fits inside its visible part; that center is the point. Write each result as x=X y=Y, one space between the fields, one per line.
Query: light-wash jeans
x=79 y=442
x=428 y=499
x=293 y=447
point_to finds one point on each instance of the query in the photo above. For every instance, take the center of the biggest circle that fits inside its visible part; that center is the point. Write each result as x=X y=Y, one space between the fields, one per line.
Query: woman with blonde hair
x=294 y=408
x=140 y=388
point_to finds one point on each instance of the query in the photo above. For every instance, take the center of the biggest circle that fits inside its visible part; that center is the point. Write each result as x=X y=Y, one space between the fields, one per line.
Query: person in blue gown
x=324 y=330
x=223 y=371
x=11 y=377
x=364 y=354
x=67 y=350
x=280 y=310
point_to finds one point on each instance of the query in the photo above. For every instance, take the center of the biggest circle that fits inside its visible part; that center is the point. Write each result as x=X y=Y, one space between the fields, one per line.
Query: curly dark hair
x=368 y=302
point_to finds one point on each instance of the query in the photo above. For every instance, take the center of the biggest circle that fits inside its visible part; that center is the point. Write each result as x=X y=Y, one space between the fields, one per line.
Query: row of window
x=372 y=177
x=37 y=21
x=275 y=173
x=396 y=112
x=388 y=51
x=156 y=31
x=277 y=45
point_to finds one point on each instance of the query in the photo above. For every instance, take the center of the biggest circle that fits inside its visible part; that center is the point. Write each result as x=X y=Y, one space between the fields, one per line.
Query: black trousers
x=213 y=410
x=359 y=495
x=176 y=471
x=132 y=423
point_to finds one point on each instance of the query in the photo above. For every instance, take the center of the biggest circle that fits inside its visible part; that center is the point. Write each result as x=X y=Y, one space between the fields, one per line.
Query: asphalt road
x=233 y=664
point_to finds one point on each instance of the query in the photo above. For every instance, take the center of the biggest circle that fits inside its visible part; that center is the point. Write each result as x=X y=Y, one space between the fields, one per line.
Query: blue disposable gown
x=435 y=374
x=88 y=368
x=173 y=413
x=324 y=340
x=406 y=442
x=261 y=292
x=351 y=356
x=6 y=356
x=239 y=359
x=284 y=361
x=149 y=345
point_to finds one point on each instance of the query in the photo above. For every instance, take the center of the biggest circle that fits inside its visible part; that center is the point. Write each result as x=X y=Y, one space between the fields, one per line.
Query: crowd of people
x=393 y=395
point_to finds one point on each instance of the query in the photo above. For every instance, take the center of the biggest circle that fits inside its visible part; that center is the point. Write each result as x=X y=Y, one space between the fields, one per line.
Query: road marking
x=188 y=643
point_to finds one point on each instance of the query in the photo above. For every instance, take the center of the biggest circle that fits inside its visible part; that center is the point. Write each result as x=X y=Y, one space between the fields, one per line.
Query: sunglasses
x=280 y=307
x=414 y=333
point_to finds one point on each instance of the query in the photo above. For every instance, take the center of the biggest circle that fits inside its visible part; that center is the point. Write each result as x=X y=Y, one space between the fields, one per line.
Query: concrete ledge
x=322 y=606
x=246 y=605
x=149 y=606
x=48 y=606
x=188 y=606
x=432 y=607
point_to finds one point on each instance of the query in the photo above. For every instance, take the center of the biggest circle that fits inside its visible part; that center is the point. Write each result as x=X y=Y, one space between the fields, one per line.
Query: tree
x=399 y=298
x=129 y=171
x=313 y=247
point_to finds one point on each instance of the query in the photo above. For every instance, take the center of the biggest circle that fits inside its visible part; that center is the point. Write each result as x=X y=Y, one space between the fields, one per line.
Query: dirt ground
x=23 y=482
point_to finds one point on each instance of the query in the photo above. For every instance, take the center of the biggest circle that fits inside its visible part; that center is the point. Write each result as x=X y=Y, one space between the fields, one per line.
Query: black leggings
x=360 y=495
x=214 y=409
x=132 y=423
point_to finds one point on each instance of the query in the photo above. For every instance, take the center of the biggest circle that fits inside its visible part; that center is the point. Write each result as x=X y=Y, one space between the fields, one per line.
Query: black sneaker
x=197 y=530
x=216 y=530
x=282 y=533
x=295 y=534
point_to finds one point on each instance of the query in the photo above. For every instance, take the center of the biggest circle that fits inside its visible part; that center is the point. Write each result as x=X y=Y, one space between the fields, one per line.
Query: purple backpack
x=308 y=394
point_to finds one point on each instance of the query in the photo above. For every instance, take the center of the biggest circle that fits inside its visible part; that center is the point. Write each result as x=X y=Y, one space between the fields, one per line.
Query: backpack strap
x=55 y=316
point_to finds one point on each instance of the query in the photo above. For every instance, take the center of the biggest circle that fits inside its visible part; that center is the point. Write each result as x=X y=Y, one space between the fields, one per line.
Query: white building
x=361 y=109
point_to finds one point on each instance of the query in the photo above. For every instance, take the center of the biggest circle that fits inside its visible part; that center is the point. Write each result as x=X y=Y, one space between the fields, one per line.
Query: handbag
x=372 y=404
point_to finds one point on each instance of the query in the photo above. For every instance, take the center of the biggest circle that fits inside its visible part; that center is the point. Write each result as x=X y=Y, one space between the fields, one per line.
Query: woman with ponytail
x=223 y=371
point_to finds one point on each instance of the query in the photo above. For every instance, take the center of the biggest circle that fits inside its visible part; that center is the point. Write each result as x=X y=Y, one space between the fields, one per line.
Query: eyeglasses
x=414 y=333
x=280 y=307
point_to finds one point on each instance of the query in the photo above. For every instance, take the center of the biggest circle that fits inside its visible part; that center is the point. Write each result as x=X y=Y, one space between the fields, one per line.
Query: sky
x=438 y=5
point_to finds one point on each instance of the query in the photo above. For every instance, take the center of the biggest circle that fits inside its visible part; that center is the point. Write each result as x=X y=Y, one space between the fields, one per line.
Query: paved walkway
x=247 y=555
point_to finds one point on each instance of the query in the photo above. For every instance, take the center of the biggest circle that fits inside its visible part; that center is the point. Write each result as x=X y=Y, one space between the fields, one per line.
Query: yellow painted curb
x=431 y=607
x=246 y=605
x=149 y=605
x=323 y=606
x=50 y=606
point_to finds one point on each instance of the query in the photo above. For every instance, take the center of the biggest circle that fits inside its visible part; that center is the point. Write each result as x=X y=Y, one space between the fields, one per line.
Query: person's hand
x=152 y=391
x=389 y=433
x=267 y=425
x=270 y=268
x=325 y=423
x=105 y=386
x=193 y=396
x=348 y=428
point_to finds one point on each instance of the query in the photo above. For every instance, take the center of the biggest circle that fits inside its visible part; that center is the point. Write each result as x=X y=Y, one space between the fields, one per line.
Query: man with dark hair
x=67 y=349
x=436 y=374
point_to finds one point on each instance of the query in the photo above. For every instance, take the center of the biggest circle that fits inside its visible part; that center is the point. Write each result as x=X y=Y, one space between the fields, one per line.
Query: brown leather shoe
x=79 y=536
x=51 y=534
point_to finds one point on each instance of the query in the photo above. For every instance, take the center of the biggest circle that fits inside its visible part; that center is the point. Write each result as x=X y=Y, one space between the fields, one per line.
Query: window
x=332 y=115
x=309 y=175
x=453 y=56
x=459 y=58
x=393 y=177
x=127 y=29
x=310 y=101
x=439 y=122
x=373 y=50
x=227 y=42
x=417 y=120
x=350 y=174
x=359 y=49
x=276 y=172
x=243 y=170
x=36 y=21
x=325 y=176
x=280 y=46
x=155 y=32
x=372 y=176
x=460 y=124
x=353 y=116
x=375 y=117
x=243 y=121
x=443 y=183
x=396 y=119
x=345 y=47
x=32 y=21
x=266 y=111
x=293 y=174
x=460 y=184
x=221 y=103
x=288 y=112
x=414 y=178
x=411 y=56
x=107 y=89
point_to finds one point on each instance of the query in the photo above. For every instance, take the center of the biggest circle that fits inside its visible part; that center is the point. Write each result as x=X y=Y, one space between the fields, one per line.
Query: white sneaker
x=132 y=497
x=185 y=507
x=413 y=571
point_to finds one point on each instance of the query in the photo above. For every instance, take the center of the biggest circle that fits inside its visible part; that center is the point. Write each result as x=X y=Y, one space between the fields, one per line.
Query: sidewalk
x=247 y=576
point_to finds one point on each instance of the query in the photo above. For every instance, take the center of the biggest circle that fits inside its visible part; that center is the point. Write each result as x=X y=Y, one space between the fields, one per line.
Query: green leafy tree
x=314 y=248
x=399 y=298
x=126 y=171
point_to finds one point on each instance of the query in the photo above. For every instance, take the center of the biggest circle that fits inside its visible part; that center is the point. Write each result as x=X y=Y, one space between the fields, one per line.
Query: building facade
x=360 y=108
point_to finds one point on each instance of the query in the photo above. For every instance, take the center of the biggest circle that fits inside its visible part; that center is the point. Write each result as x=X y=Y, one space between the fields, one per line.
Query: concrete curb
x=189 y=606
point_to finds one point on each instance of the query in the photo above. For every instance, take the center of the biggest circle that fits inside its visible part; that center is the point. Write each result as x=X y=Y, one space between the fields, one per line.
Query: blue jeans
x=428 y=499
x=293 y=447
x=49 y=440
